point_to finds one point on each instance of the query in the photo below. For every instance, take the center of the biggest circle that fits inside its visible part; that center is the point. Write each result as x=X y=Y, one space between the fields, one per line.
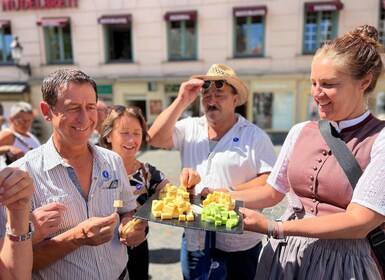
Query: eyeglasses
x=23 y=121
x=218 y=84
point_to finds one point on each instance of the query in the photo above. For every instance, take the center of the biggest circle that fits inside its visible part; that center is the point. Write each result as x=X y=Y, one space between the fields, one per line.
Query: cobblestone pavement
x=164 y=241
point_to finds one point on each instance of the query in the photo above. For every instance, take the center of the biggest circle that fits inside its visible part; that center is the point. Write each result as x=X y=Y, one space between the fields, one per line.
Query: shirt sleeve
x=370 y=189
x=179 y=133
x=278 y=177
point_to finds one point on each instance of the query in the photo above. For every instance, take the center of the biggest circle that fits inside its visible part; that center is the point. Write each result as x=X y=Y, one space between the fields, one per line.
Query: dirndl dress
x=306 y=258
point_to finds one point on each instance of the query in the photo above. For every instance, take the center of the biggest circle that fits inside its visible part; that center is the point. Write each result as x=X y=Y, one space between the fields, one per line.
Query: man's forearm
x=49 y=251
x=13 y=253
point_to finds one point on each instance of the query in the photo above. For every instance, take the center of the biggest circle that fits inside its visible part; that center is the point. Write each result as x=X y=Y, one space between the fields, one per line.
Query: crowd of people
x=57 y=200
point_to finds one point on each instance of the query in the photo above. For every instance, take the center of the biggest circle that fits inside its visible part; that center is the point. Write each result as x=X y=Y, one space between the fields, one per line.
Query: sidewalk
x=164 y=241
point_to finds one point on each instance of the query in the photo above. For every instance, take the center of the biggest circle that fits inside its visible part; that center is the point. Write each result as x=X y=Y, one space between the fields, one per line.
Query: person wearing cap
x=229 y=153
x=17 y=140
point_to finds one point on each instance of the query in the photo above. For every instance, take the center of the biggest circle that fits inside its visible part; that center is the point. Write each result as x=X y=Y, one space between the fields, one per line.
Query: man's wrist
x=20 y=237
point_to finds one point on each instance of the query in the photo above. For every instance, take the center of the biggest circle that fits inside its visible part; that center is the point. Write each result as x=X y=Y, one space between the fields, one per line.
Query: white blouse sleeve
x=370 y=189
x=278 y=177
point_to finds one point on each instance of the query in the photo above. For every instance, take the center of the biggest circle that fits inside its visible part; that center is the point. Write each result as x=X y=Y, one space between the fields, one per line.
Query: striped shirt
x=52 y=178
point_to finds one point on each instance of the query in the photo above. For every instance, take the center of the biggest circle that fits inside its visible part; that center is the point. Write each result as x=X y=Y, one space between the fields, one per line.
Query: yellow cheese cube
x=166 y=216
x=182 y=217
x=157 y=214
x=190 y=216
x=118 y=203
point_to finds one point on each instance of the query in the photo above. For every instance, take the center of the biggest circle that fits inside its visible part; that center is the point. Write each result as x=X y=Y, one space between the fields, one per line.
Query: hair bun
x=367 y=31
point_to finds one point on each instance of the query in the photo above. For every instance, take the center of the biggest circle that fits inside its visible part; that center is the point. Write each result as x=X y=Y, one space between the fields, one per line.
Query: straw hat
x=223 y=72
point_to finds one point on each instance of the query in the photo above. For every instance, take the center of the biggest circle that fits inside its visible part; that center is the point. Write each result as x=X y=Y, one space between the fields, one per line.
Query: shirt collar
x=52 y=158
x=348 y=123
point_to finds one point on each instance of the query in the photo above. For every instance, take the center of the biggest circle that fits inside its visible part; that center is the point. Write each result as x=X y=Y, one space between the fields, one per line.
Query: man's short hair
x=61 y=78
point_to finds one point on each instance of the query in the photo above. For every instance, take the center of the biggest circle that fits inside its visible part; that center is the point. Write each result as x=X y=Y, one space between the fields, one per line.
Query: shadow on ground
x=164 y=256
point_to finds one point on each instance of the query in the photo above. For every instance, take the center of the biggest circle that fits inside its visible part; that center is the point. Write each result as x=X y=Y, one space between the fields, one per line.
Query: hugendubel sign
x=20 y=5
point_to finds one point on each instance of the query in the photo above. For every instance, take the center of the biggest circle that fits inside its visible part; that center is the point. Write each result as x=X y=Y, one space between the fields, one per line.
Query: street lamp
x=16 y=51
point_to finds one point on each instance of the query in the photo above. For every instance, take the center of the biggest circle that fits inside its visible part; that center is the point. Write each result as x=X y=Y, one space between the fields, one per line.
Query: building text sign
x=20 y=5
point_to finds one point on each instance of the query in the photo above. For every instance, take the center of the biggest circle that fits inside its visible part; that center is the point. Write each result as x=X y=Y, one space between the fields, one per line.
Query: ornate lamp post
x=16 y=52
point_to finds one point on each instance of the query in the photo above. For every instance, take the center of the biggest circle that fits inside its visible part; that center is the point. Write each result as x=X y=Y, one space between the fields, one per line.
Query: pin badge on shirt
x=106 y=171
x=106 y=175
x=138 y=186
x=235 y=139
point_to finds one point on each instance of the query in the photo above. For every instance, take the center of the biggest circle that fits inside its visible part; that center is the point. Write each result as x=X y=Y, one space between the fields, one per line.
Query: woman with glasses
x=16 y=140
x=125 y=131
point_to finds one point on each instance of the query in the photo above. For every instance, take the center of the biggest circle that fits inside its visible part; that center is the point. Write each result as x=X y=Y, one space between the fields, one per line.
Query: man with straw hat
x=229 y=153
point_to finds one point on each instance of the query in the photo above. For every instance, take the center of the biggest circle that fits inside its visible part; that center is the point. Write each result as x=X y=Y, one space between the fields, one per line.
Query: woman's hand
x=254 y=221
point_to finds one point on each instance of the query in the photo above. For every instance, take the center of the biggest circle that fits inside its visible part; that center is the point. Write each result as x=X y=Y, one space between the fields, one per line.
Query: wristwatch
x=19 y=238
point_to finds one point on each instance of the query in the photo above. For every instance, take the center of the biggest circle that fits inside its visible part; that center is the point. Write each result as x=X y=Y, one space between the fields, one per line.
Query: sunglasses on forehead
x=122 y=109
x=218 y=84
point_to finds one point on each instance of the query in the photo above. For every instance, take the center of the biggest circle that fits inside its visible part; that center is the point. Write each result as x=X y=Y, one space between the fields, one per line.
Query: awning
x=323 y=6
x=250 y=11
x=178 y=16
x=114 y=19
x=4 y=23
x=54 y=22
x=13 y=87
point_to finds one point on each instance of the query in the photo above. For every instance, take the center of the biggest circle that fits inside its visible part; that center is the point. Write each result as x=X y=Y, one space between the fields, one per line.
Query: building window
x=182 y=35
x=321 y=20
x=249 y=34
x=57 y=37
x=273 y=111
x=5 y=43
x=118 y=37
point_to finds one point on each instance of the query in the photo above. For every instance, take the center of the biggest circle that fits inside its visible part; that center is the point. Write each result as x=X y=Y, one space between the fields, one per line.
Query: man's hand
x=189 y=91
x=96 y=230
x=46 y=220
x=189 y=178
x=134 y=237
x=16 y=189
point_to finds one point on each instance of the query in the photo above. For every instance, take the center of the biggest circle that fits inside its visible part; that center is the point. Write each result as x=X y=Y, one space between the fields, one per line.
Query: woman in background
x=17 y=140
x=124 y=131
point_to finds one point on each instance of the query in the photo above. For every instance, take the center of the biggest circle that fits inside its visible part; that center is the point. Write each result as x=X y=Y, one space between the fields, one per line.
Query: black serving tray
x=144 y=213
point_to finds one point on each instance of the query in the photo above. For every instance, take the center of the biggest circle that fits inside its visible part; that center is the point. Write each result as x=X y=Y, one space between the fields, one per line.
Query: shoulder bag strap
x=22 y=141
x=353 y=171
x=341 y=151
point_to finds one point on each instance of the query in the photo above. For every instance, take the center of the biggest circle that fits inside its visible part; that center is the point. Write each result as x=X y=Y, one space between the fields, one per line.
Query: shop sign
x=20 y=5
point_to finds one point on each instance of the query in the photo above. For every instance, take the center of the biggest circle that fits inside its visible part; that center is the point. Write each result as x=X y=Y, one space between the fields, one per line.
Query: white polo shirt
x=243 y=152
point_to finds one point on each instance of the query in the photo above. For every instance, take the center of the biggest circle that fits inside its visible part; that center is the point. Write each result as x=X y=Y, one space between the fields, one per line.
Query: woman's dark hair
x=116 y=112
